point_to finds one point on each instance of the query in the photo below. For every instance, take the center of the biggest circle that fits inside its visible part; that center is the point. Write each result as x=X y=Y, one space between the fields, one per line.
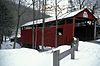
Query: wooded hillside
x=27 y=16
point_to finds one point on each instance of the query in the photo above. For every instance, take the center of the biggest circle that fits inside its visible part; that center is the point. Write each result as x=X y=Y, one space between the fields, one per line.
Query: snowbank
x=24 y=57
x=88 y=55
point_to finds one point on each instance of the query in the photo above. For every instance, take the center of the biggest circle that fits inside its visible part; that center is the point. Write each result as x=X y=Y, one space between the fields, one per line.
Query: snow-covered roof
x=66 y=15
x=39 y=21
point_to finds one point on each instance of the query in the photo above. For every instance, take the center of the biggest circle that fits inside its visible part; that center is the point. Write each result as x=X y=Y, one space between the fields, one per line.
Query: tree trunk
x=1 y=40
x=33 y=45
x=5 y=38
x=17 y=24
x=43 y=16
x=56 y=24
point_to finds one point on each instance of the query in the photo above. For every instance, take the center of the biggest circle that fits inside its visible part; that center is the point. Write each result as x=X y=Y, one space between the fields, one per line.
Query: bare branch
x=14 y=3
x=82 y=3
x=25 y=10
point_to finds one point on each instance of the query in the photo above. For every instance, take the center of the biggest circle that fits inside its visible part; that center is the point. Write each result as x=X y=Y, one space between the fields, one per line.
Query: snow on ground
x=88 y=55
x=24 y=57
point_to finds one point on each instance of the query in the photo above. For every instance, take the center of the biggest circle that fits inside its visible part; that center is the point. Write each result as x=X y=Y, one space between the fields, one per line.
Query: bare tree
x=6 y=20
x=43 y=16
x=71 y=6
x=56 y=23
x=94 y=7
x=17 y=24
x=38 y=6
x=91 y=4
x=20 y=12
x=33 y=46
x=81 y=4
x=56 y=8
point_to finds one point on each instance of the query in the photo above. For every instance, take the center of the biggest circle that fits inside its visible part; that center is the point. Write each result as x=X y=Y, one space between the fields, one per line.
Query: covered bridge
x=84 y=23
x=80 y=24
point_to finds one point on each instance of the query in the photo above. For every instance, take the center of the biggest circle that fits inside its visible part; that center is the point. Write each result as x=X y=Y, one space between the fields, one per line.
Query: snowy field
x=88 y=55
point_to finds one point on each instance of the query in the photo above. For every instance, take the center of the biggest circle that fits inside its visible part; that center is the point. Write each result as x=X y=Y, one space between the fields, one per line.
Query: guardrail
x=57 y=56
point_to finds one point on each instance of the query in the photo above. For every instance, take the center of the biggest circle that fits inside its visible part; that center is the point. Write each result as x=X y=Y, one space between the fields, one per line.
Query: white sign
x=85 y=14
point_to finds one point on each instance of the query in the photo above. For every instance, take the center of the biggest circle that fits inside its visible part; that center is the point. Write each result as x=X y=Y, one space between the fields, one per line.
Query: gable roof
x=77 y=13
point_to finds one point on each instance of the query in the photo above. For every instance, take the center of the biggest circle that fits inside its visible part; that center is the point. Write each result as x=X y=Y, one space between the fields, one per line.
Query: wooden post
x=94 y=30
x=77 y=44
x=72 y=52
x=56 y=58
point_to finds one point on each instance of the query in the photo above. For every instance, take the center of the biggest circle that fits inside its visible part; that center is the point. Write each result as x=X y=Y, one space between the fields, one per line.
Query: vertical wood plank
x=72 y=52
x=56 y=58
x=77 y=44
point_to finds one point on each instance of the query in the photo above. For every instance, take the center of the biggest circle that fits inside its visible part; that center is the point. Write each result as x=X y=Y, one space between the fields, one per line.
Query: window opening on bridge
x=60 y=31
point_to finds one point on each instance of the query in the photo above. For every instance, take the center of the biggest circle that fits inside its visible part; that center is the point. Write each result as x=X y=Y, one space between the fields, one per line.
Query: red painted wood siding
x=49 y=36
x=90 y=15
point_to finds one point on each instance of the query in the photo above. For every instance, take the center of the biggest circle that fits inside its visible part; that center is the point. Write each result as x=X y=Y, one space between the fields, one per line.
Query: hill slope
x=27 y=16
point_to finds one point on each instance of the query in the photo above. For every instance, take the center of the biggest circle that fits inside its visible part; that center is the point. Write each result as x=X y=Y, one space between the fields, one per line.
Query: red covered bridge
x=79 y=24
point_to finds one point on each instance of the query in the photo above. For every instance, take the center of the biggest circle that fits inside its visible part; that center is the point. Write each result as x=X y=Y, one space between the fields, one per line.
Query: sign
x=85 y=14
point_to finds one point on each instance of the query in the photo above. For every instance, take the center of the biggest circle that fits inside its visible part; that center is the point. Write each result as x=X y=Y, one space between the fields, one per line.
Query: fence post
x=77 y=43
x=56 y=58
x=72 y=51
